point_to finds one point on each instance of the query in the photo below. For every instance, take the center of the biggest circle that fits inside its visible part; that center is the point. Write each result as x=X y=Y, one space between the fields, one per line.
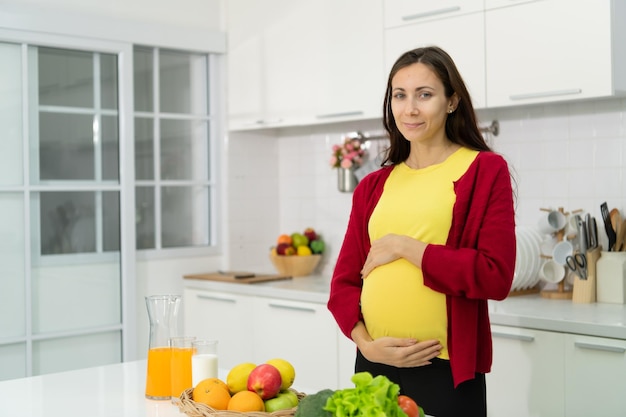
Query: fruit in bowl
x=297 y=254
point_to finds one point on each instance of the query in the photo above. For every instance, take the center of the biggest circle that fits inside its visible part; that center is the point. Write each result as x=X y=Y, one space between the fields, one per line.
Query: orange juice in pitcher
x=181 y=364
x=163 y=314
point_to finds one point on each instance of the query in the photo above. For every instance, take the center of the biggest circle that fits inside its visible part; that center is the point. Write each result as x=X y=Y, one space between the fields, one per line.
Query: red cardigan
x=476 y=263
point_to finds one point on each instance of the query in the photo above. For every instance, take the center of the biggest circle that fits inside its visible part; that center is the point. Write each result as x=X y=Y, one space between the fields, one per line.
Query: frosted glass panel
x=12 y=273
x=11 y=151
x=182 y=81
x=183 y=218
x=69 y=353
x=72 y=297
x=12 y=361
x=144 y=149
x=65 y=78
x=184 y=153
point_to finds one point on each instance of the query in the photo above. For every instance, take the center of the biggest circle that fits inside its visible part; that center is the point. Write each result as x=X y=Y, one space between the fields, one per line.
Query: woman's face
x=419 y=104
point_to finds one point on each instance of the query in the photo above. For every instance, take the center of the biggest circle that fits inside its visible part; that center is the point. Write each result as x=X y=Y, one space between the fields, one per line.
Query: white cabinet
x=347 y=357
x=460 y=36
x=526 y=377
x=296 y=62
x=554 y=50
x=402 y=12
x=595 y=372
x=221 y=316
x=305 y=334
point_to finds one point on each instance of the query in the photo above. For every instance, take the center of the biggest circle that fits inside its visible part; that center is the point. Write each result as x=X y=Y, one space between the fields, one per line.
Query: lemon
x=237 y=379
x=304 y=251
x=287 y=372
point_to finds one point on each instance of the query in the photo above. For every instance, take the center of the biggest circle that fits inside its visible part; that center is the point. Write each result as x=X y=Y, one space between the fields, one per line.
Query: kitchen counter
x=104 y=391
x=528 y=311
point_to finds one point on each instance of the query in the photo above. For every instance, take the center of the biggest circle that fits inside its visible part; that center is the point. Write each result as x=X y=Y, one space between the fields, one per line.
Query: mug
x=551 y=271
x=552 y=222
x=561 y=251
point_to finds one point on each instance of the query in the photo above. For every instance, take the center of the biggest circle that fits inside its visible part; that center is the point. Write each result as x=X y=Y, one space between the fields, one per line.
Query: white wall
x=563 y=155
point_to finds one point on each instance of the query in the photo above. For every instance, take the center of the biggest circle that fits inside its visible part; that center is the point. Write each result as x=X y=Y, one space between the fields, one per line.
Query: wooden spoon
x=620 y=243
x=616 y=218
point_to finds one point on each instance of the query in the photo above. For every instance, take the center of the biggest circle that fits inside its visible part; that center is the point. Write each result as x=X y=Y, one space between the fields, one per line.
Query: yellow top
x=417 y=203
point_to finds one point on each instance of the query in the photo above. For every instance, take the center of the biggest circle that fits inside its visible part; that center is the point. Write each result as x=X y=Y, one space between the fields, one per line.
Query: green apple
x=317 y=246
x=298 y=239
x=282 y=401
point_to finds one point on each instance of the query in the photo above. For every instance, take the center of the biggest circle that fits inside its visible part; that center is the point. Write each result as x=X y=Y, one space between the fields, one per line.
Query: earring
x=450 y=110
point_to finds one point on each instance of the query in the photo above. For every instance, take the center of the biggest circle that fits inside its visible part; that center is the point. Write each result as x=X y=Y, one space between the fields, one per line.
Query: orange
x=246 y=401
x=284 y=239
x=209 y=382
x=211 y=394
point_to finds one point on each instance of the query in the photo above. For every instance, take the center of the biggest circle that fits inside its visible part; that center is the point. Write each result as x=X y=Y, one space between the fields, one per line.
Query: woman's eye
x=425 y=95
x=399 y=96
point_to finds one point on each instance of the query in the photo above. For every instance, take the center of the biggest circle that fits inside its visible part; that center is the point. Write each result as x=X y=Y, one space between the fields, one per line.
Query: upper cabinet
x=298 y=62
x=404 y=12
x=460 y=35
x=554 y=50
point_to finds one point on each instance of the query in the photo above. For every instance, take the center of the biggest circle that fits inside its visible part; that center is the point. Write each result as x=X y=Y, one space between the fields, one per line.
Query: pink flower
x=348 y=154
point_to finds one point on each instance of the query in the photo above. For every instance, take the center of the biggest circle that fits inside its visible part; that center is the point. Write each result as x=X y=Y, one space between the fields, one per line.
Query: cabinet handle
x=606 y=348
x=341 y=114
x=216 y=298
x=431 y=13
x=545 y=94
x=290 y=307
x=522 y=337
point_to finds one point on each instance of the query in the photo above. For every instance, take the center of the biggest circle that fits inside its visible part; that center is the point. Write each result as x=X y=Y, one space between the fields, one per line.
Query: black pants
x=432 y=388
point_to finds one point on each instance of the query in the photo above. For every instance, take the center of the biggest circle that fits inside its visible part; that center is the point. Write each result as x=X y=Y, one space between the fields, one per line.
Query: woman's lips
x=414 y=125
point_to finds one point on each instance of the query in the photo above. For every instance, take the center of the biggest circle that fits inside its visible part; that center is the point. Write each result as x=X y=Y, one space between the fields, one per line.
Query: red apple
x=265 y=380
x=309 y=232
x=285 y=249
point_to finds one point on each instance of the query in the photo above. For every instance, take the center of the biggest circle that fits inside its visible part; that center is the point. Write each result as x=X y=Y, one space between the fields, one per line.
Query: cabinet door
x=302 y=333
x=594 y=376
x=297 y=62
x=227 y=318
x=549 y=50
x=467 y=51
x=347 y=357
x=402 y=12
x=526 y=377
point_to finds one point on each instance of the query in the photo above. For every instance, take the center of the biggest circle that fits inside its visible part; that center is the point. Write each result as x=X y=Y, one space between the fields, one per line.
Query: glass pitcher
x=163 y=315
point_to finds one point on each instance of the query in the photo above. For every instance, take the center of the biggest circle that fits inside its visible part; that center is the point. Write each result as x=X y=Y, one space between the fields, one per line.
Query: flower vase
x=346 y=180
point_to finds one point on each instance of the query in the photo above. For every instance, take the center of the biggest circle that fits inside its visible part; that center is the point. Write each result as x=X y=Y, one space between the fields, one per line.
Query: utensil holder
x=611 y=271
x=585 y=289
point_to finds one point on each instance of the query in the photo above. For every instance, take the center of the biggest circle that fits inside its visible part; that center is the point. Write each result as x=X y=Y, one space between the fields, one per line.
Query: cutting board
x=239 y=277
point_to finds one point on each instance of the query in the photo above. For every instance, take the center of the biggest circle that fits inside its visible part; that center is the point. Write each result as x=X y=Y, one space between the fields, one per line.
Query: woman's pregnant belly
x=395 y=302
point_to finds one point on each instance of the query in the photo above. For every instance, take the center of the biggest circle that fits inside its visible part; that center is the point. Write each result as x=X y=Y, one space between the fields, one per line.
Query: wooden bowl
x=294 y=265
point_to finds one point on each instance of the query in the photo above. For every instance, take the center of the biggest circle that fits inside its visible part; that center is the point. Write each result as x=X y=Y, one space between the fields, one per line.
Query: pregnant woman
x=431 y=238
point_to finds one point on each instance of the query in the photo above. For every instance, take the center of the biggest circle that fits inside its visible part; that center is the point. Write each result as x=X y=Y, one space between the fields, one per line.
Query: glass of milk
x=203 y=360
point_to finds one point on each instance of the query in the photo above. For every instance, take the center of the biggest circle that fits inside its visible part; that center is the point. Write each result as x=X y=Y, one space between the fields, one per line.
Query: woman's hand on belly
x=392 y=247
x=401 y=353
x=394 y=351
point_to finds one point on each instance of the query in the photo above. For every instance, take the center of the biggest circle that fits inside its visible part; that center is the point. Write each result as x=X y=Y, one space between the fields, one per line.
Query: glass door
x=61 y=210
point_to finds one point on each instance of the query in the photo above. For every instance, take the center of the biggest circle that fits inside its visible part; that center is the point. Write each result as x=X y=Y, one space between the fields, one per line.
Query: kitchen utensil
x=578 y=264
x=592 y=234
x=583 y=237
x=616 y=218
x=610 y=232
x=620 y=241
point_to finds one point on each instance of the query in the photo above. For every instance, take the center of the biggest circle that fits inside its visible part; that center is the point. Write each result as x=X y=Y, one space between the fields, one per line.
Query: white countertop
x=529 y=311
x=103 y=391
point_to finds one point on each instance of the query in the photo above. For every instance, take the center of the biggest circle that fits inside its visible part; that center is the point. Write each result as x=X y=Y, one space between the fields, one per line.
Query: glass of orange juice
x=180 y=364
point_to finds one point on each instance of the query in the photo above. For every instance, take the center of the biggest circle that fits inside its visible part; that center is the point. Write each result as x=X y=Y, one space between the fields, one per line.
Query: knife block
x=585 y=290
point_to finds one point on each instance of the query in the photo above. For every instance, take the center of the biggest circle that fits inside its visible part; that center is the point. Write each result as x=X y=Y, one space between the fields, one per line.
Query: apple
x=317 y=246
x=309 y=232
x=282 y=401
x=298 y=239
x=285 y=249
x=265 y=380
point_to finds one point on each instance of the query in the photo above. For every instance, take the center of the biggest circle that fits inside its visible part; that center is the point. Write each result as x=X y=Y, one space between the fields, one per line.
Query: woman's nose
x=411 y=107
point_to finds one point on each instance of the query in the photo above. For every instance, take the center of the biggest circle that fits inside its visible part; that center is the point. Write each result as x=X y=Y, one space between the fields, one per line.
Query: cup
x=552 y=222
x=203 y=360
x=180 y=364
x=561 y=251
x=551 y=271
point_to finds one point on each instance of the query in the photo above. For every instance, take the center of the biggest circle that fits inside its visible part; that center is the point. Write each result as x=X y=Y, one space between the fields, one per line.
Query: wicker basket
x=187 y=405
x=295 y=266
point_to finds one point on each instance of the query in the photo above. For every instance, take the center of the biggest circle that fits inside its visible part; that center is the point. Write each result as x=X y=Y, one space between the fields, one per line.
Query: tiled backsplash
x=568 y=155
